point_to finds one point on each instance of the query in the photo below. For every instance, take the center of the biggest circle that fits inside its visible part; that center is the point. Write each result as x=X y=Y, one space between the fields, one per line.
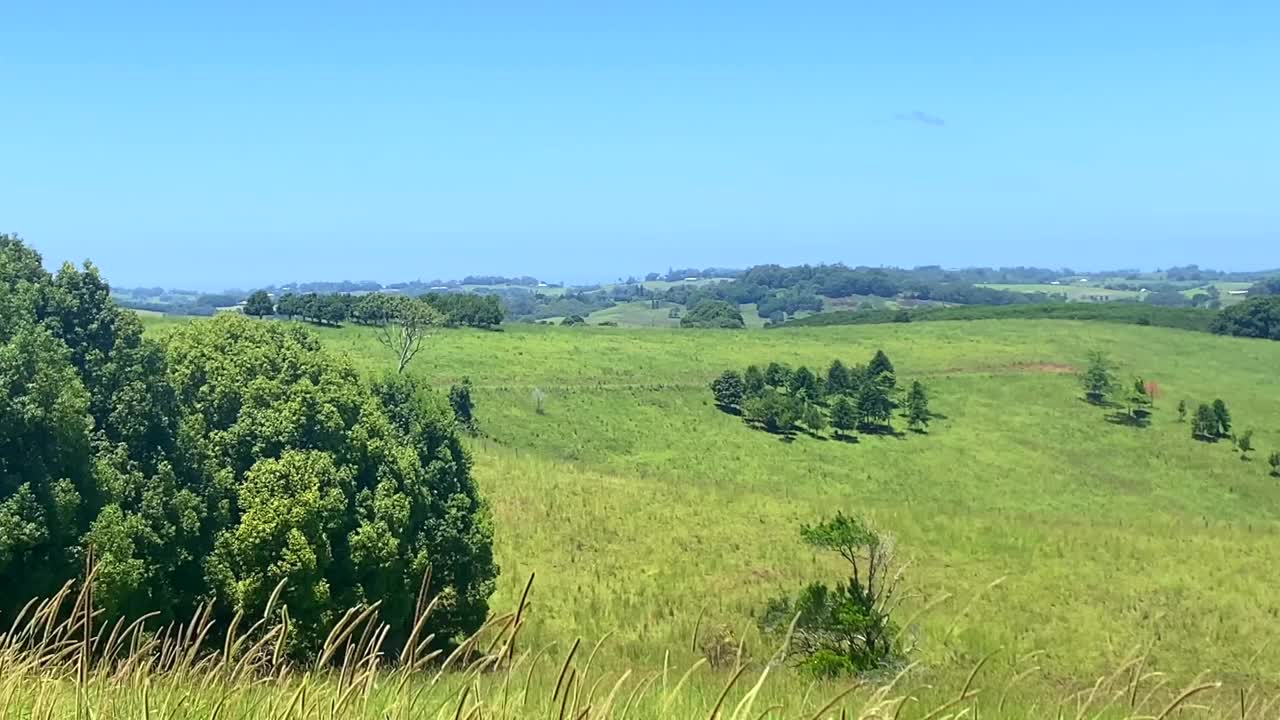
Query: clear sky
x=231 y=144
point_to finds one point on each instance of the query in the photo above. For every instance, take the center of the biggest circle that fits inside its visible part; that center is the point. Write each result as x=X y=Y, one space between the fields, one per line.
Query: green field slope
x=641 y=507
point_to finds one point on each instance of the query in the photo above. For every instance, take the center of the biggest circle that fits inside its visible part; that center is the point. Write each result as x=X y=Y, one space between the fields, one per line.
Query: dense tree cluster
x=778 y=398
x=230 y=458
x=782 y=291
x=455 y=309
x=1257 y=317
x=712 y=314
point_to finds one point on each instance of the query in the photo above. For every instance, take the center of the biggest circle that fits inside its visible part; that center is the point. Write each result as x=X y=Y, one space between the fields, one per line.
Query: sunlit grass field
x=1031 y=523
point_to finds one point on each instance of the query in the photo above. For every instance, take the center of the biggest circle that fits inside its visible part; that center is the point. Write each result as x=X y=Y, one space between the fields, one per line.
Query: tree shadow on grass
x=815 y=435
x=1110 y=404
x=729 y=410
x=881 y=431
x=1139 y=420
x=849 y=439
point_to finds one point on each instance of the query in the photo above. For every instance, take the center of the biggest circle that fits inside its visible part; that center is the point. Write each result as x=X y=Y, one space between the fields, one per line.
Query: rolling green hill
x=641 y=507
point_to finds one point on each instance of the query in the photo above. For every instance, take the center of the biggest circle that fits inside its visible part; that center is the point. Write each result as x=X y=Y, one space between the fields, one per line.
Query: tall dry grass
x=60 y=658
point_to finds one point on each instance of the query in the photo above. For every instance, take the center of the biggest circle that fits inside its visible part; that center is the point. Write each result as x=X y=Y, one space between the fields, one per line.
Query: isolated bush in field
x=917 y=407
x=1204 y=424
x=1182 y=411
x=848 y=628
x=1097 y=379
x=574 y=320
x=728 y=390
x=1223 y=418
x=1245 y=443
x=721 y=648
x=460 y=402
x=1274 y=461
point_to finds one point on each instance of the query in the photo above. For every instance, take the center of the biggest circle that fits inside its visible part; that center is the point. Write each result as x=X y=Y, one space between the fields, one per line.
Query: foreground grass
x=650 y=516
x=61 y=660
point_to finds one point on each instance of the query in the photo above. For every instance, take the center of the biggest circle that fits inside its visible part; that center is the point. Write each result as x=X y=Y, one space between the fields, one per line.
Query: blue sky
x=247 y=143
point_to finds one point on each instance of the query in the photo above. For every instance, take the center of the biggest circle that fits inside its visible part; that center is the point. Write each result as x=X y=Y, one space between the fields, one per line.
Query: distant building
x=1237 y=292
x=690 y=279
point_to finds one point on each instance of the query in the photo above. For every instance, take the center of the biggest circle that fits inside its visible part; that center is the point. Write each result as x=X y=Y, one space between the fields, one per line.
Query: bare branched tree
x=409 y=323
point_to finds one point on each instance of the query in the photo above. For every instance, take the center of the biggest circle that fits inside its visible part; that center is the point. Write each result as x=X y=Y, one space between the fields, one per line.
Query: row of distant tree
x=779 y=399
x=454 y=309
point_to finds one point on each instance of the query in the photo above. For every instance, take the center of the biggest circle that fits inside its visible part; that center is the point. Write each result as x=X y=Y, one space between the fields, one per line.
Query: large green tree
x=233 y=457
x=259 y=304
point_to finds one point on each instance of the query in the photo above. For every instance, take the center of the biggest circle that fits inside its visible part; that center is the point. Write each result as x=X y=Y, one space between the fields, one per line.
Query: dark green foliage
x=574 y=320
x=1223 y=418
x=713 y=314
x=803 y=384
x=1126 y=313
x=847 y=628
x=917 y=407
x=777 y=375
x=844 y=416
x=460 y=403
x=1257 y=317
x=259 y=304
x=837 y=380
x=728 y=389
x=874 y=407
x=753 y=381
x=233 y=457
x=1182 y=411
x=813 y=418
x=1139 y=401
x=1274 y=461
x=467 y=309
x=1265 y=287
x=773 y=411
x=281 y=421
x=880 y=371
x=1204 y=424
x=1245 y=444
x=1097 y=379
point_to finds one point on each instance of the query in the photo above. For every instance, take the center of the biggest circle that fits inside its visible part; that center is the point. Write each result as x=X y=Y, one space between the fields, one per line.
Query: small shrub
x=848 y=628
x=1274 y=461
x=539 y=401
x=460 y=401
x=721 y=648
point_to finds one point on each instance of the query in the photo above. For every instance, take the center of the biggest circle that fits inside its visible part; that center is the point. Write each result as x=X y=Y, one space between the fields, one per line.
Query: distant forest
x=778 y=292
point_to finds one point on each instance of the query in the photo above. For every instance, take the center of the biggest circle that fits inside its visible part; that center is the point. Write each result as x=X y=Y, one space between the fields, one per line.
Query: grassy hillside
x=1123 y=313
x=642 y=508
x=1071 y=290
